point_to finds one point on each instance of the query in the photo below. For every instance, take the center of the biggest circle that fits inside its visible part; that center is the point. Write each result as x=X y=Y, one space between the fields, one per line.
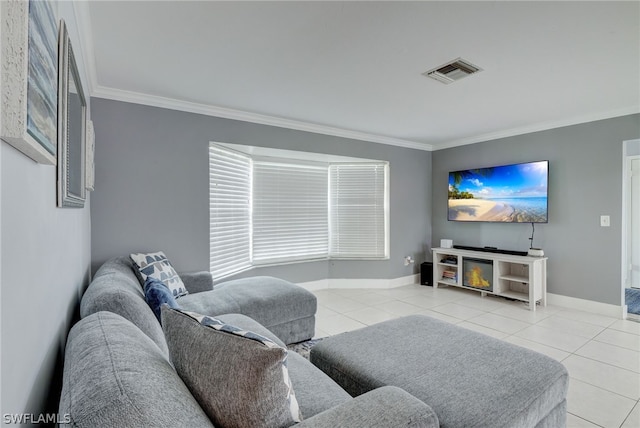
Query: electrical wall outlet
x=605 y=221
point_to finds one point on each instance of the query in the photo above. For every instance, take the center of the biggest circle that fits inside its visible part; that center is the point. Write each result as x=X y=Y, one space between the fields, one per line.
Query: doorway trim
x=630 y=150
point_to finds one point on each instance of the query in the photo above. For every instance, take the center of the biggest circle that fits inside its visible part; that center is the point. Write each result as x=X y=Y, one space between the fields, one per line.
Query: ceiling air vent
x=452 y=71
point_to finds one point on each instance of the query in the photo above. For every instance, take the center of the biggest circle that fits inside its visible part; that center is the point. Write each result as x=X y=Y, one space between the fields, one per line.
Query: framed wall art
x=90 y=152
x=72 y=120
x=30 y=78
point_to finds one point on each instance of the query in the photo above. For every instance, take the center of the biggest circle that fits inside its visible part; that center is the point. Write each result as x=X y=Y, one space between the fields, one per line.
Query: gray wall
x=152 y=188
x=45 y=267
x=585 y=181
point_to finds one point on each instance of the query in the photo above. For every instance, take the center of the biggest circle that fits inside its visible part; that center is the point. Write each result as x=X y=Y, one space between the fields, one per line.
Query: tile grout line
x=583 y=419
x=629 y=415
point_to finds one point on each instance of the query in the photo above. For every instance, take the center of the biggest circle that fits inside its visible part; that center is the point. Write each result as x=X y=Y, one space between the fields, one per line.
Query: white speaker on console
x=535 y=252
x=446 y=243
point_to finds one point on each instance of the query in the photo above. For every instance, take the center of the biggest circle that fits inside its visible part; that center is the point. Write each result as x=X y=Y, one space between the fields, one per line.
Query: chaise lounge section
x=469 y=379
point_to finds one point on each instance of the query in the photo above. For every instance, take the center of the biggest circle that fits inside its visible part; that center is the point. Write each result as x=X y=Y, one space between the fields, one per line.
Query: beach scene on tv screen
x=510 y=193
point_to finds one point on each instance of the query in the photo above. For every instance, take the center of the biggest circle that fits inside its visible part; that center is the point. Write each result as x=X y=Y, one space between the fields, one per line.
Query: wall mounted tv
x=515 y=193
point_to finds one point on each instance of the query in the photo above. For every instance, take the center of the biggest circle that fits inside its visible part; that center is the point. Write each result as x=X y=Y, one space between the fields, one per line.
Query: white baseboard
x=404 y=280
x=323 y=284
x=552 y=299
x=633 y=317
x=586 y=305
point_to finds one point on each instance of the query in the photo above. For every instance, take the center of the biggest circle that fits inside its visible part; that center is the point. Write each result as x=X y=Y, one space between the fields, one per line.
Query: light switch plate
x=605 y=221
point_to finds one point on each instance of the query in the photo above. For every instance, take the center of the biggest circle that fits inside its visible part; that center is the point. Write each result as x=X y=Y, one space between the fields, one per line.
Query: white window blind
x=229 y=211
x=290 y=215
x=358 y=205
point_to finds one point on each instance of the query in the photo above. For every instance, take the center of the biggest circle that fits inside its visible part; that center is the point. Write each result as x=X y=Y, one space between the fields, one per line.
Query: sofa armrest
x=384 y=407
x=197 y=282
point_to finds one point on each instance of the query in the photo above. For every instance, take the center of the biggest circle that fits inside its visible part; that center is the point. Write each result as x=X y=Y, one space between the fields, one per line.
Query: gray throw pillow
x=238 y=377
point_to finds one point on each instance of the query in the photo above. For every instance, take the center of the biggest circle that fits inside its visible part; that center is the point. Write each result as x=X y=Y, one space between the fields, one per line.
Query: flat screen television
x=516 y=193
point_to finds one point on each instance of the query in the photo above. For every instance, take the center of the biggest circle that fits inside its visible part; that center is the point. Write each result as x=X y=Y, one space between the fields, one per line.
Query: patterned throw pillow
x=238 y=377
x=156 y=293
x=157 y=266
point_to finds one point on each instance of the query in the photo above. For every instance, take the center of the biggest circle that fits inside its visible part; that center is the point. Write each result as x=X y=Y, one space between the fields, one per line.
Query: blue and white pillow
x=240 y=378
x=156 y=293
x=157 y=266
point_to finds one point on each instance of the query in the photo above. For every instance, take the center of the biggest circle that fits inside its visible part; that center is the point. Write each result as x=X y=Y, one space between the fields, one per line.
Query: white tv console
x=515 y=277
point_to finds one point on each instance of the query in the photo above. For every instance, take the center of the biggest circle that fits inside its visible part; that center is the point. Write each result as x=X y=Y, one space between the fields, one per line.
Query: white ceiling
x=354 y=68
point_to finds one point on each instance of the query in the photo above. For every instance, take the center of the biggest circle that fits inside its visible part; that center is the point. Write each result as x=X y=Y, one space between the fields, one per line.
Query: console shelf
x=515 y=277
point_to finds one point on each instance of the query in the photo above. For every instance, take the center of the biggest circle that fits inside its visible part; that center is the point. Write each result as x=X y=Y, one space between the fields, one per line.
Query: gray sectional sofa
x=117 y=370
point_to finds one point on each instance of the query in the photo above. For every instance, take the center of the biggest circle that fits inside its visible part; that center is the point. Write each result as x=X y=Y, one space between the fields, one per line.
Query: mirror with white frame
x=72 y=111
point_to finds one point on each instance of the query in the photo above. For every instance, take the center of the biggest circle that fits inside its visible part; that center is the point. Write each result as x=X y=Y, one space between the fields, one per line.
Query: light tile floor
x=602 y=354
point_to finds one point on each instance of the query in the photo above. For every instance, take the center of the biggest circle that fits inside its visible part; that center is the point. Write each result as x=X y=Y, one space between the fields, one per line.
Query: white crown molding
x=227 y=113
x=543 y=126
